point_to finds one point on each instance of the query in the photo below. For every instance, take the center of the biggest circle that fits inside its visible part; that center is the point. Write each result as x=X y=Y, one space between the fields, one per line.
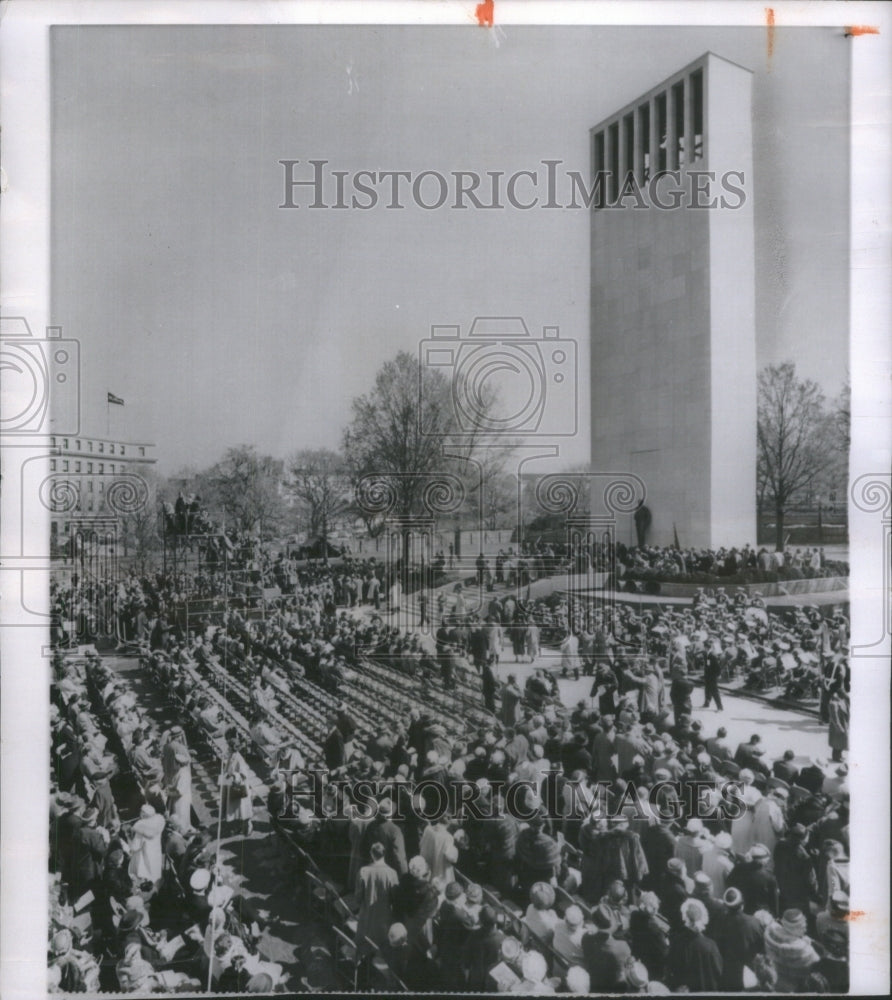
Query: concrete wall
x=673 y=341
x=732 y=312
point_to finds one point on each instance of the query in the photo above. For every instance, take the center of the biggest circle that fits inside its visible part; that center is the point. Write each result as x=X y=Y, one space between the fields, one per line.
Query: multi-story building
x=91 y=466
x=673 y=339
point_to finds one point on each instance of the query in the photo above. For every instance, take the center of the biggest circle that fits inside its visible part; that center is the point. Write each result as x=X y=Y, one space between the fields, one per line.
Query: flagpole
x=107 y=416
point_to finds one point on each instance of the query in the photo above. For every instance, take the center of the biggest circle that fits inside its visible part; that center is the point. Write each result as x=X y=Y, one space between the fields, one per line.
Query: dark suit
x=482 y=951
x=386 y=832
x=88 y=852
x=739 y=939
x=785 y=771
x=711 y=681
x=605 y=961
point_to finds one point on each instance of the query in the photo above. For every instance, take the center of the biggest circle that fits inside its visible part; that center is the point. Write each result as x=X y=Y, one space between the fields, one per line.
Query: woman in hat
x=791 y=951
x=695 y=962
x=534 y=969
x=649 y=934
x=145 y=846
x=134 y=973
x=76 y=971
x=540 y=916
x=178 y=782
x=742 y=826
x=415 y=900
x=239 y=803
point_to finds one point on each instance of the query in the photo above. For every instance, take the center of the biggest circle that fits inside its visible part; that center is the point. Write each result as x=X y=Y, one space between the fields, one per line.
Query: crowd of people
x=613 y=846
x=677 y=564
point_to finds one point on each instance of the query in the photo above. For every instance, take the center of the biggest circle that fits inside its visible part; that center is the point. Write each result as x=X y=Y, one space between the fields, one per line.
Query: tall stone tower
x=673 y=347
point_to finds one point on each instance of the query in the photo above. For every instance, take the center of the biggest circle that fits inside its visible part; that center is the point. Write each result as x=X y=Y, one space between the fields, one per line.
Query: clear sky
x=221 y=318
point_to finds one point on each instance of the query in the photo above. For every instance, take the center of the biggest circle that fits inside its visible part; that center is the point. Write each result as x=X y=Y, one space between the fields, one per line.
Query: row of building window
x=663 y=133
x=100 y=449
x=64 y=466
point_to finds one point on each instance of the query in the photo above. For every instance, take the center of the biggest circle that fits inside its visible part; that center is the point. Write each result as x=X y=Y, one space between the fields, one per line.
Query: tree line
x=397 y=436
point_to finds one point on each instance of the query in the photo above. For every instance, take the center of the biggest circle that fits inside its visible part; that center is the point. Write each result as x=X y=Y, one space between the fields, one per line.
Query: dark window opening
x=628 y=146
x=661 y=132
x=697 y=112
x=600 y=166
x=678 y=123
x=644 y=128
x=614 y=163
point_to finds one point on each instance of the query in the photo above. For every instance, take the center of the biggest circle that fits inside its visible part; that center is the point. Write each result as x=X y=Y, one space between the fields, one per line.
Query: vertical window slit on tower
x=678 y=123
x=599 y=168
x=614 y=163
x=628 y=147
x=662 y=138
x=644 y=129
x=697 y=112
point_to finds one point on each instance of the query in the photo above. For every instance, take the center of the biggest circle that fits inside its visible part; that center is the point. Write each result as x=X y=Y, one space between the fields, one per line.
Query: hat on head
x=511 y=949
x=702 y=879
x=616 y=892
x=533 y=966
x=694 y=913
x=723 y=840
x=636 y=976
x=794 y=923
x=759 y=852
x=694 y=825
x=453 y=890
x=542 y=895
x=573 y=916
x=63 y=942
x=147 y=810
x=487 y=916
x=130 y=921
x=577 y=980
x=200 y=880
x=676 y=866
x=733 y=899
x=385 y=807
x=839 y=902
x=602 y=917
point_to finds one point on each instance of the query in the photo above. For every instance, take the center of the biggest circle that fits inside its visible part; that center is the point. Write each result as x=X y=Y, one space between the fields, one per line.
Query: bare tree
x=246 y=486
x=399 y=434
x=397 y=429
x=795 y=438
x=318 y=482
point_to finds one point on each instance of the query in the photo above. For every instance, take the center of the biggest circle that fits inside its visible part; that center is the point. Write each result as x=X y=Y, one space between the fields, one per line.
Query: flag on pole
x=112 y=398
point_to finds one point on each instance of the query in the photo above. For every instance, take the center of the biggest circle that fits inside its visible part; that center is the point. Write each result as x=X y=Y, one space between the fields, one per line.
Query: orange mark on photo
x=486 y=13
x=769 y=21
x=861 y=29
x=856 y=915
